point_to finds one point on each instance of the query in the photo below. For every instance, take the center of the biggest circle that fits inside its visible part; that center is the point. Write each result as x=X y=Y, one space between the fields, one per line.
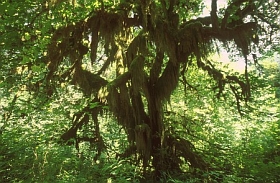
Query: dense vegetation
x=135 y=91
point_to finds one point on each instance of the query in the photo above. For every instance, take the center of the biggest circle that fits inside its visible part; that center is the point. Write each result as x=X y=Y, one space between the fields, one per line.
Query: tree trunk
x=156 y=125
x=166 y=149
x=161 y=160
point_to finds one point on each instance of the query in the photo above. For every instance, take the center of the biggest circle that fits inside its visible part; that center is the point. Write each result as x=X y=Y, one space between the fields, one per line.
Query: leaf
x=94 y=105
x=36 y=68
x=25 y=60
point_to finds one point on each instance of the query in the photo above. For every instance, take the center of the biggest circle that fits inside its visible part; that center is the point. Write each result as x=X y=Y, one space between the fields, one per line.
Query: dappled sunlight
x=236 y=66
x=207 y=3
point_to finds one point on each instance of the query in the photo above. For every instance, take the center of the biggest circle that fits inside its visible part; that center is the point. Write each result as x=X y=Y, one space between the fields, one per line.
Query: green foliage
x=96 y=71
x=241 y=149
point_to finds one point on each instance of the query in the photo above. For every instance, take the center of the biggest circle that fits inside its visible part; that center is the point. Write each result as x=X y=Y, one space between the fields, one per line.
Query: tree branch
x=214 y=17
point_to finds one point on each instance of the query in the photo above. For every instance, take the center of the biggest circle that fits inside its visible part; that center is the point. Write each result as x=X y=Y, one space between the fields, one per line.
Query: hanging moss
x=135 y=48
x=87 y=81
x=143 y=143
x=110 y=60
x=166 y=40
x=137 y=73
x=167 y=81
x=95 y=26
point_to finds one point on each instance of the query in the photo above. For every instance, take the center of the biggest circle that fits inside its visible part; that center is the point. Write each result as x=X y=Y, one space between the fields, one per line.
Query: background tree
x=129 y=58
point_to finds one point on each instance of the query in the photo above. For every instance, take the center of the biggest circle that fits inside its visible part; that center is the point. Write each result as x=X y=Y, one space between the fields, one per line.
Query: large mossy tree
x=146 y=47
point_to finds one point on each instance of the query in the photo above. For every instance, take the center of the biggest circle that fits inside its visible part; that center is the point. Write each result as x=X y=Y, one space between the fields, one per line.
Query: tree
x=149 y=45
